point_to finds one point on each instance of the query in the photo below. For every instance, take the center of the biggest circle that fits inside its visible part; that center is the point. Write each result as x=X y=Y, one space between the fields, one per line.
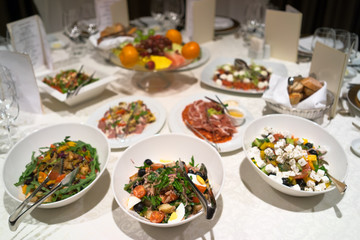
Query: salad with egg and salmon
x=161 y=194
x=295 y=162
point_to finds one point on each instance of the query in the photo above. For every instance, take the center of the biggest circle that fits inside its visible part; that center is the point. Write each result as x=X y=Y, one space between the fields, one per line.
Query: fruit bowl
x=154 y=53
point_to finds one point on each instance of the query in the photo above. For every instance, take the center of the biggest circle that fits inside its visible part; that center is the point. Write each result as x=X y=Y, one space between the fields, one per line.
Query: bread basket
x=311 y=114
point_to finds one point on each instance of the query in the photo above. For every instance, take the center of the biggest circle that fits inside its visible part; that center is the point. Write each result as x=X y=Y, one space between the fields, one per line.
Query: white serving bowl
x=21 y=153
x=86 y=93
x=301 y=128
x=170 y=147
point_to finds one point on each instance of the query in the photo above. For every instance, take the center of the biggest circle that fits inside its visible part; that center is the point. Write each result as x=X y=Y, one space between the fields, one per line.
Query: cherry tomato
x=139 y=191
x=157 y=216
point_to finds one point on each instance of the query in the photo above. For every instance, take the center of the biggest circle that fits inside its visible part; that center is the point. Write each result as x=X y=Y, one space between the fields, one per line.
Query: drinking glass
x=9 y=107
x=342 y=40
x=254 y=20
x=324 y=35
x=354 y=45
x=157 y=11
x=174 y=11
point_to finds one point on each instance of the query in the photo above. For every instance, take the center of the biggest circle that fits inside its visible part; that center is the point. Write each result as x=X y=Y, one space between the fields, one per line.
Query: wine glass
x=9 y=107
x=157 y=11
x=174 y=11
x=342 y=40
x=324 y=35
x=354 y=45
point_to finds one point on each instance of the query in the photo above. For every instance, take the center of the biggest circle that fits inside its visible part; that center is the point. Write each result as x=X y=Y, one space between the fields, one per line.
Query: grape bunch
x=153 y=45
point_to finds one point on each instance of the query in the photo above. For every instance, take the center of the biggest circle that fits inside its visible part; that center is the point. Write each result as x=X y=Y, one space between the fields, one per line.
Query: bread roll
x=297 y=86
x=295 y=98
x=311 y=83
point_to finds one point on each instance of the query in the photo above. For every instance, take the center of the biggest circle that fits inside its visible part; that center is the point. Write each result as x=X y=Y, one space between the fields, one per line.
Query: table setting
x=192 y=139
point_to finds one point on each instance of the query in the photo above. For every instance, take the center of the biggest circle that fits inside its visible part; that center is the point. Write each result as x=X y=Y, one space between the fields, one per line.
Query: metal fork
x=70 y=92
x=202 y=136
x=77 y=90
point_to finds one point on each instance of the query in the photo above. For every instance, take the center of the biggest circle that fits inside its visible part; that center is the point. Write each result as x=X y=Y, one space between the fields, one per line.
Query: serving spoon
x=339 y=185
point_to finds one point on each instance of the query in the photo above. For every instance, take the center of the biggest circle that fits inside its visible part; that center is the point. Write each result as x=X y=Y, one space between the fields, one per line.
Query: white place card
x=200 y=19
x=28 y=36
x=282 y=33
x=109 y=12
x=329 y=65
x=22 y=72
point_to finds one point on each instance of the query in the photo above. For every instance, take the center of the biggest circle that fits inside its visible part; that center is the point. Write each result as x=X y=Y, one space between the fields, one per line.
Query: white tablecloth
x=248 y=208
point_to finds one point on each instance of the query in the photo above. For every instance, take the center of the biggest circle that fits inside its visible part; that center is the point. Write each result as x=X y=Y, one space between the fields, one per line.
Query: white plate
x=208 y=73
x=205 y=55
x=355 y=146
x=108 y=43
x=305 y=44
x=176 y=123
x=86 y=93
x=155 y=107
x=301 y=128
x=222 y=23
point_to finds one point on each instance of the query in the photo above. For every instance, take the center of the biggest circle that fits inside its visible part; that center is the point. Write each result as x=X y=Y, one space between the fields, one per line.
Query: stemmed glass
x=324 y=35
x=342 y=40
x=174 y=11
x=353 y=49
x=9 y=106
x=157 y=12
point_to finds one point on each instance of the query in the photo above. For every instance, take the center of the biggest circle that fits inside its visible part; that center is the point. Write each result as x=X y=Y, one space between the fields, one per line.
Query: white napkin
x=108 y=43
x=278 y=93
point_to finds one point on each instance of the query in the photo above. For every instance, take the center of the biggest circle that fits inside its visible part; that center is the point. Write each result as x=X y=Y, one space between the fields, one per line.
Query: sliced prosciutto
x=210 y=120
x=125 y=119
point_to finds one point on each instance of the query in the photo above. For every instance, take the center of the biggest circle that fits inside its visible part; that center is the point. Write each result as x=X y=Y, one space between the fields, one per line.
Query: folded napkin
x=277 y=93
x=108 y=43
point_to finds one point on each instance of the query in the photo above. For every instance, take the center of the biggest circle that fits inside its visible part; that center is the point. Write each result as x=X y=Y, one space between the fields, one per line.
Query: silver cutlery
x=339 y=185
x=76 y=91
x=218 y=102
x=202 y=136
x=17 y=216
x=208 y=205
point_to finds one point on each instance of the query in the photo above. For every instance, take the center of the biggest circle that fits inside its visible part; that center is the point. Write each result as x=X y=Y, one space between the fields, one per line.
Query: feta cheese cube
x=280 y=144
x=271 y=138
x=320 y=187
x=218 y=82
x=296 y=154
x=286 y=174
x=302 y=162
x=223 y=76
x=280 y=159
x=292 y=162
x=295 y=168
x=308 y=189
x=310 y=183
x=270 y=168
x=279 y=152
x=259 y=161
x=314 y=176
x=325 y=179
x=230 y=78
x=269 y=152
x=289 y=148
x=304 y=153
x=296 y=187
x=254 y=151
x=320 y=173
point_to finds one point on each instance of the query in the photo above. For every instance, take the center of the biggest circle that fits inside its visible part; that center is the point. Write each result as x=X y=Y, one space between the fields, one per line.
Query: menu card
x=22 y=72
x=329 y=65
x=282 y=33
x=28 y=36
x=109 y=12
x=200 y=19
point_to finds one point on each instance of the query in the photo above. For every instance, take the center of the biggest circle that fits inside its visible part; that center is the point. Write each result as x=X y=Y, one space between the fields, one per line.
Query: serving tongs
x=77 y=90
x=224 y=106
x=202 y=136
x=17 y=216
x=209 y=205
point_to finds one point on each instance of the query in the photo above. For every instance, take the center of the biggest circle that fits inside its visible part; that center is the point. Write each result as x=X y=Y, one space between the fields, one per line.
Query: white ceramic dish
x=21 y=153
x=156 y=108
x=208 y=73
x=302 y=128
x=87 y=92
x=108 y=43
x=176 y=123
x=355 y=146
x=170 y=147
x=236 y=120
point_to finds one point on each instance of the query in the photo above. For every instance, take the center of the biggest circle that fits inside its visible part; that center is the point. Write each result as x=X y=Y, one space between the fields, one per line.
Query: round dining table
x=248 y=208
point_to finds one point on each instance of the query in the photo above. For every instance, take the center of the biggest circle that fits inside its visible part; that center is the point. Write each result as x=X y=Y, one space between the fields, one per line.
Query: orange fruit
x=129 y=56
x=174 y=36
x=190 y=50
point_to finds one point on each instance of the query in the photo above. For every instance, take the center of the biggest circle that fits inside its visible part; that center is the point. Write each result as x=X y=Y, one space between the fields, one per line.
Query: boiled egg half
x=198 y=181
x=132 y=201
x=178 y=215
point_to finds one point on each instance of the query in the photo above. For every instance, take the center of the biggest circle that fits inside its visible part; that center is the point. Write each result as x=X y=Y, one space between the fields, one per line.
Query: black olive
x=138 y=183
x=286 y=182
x=191 y=171
x=308 y=145
x=139 y=207
x=141 y=172
x=301 y=183
x=313 y=152
x=148 y=162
